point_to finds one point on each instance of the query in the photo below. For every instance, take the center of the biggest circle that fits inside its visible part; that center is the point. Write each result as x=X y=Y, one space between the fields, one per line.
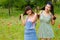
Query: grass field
x=11 y=28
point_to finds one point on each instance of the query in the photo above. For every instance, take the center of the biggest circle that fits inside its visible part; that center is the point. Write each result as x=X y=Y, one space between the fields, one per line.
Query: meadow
x=12 y=29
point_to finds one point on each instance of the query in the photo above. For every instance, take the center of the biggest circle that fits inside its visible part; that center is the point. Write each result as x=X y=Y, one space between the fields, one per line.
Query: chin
x=30 y=14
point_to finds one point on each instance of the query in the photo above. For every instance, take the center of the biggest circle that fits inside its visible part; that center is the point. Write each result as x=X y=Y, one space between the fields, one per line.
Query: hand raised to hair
x=21 y=15
x=54 y=17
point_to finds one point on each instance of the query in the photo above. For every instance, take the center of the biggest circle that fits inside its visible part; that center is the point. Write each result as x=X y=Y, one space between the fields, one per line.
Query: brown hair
x=28 y=8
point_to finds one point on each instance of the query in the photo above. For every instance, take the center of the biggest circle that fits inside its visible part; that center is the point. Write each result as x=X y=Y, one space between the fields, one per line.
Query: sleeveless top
x=29 y=24
x=45 y=19
x=45 y=29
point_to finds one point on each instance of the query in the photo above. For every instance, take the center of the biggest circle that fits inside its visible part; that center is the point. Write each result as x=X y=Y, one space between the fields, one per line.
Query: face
x=48 y=7
x=29 y=12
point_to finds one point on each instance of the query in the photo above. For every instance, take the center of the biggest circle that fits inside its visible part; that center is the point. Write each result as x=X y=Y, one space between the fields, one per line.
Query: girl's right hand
x=21 y=15
x=22 y=19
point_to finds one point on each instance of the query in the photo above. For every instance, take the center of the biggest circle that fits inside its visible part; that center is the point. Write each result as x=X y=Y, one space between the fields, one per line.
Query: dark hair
x=28 y=8
x=52 y=9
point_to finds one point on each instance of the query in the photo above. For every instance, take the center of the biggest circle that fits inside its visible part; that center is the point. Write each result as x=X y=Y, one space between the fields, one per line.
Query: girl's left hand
x=54 y=17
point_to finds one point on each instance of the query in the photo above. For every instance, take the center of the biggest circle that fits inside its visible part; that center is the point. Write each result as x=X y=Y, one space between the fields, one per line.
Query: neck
x=30 y=15
x=46 y=11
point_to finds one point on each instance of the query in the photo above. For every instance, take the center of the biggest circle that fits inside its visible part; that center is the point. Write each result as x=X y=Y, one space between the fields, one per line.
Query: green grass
x=4 y=13
x=11 y=28
x=57 y=10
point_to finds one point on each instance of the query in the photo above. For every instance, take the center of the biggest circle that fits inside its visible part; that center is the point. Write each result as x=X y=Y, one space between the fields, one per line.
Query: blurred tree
x=21 y=4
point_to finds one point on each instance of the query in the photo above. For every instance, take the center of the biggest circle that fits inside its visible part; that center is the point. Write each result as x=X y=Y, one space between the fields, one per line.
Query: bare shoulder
x=35 y=15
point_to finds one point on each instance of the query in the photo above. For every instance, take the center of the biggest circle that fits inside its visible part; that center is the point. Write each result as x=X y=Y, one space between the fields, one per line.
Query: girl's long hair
x=52 y=9
x=26 y=9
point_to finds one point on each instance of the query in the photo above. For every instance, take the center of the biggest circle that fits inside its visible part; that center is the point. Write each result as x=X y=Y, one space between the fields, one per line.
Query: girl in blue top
x=29 y=23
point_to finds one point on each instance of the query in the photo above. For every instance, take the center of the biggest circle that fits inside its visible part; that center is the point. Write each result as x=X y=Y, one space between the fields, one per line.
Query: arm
x=34 y=18
x=22 y=19
x=52 y=20
x=38 y=15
